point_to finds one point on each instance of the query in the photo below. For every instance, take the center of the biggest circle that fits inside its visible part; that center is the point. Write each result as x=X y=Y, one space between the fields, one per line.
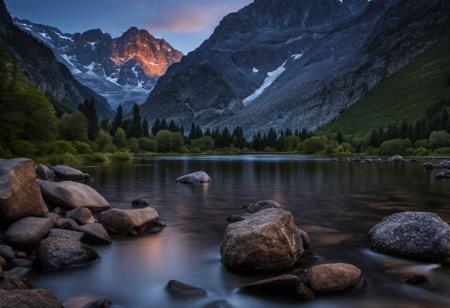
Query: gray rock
x=235 y=218
x=198 y=177
x=140 y=203
x=442 y=174
x=36 y=298
x=82 y=215
x=69 y=174
x=66 y=223
x=265 y=241
x=56 y=253
x=395 y=158
x=88 y=302
x=7 y=252
x=2 y=262
x=21 y=254
x=413 y=235
x=178 y=288
x=218 y=303
x=53 y=216
x=20 y=196
x=19 y=262
x=26 y=233
x=130 y=222
x=12 y=281
x=72 y=195
x=67 y=234
x=94 y=234
x=43 y=172
x=261 y=205
x=336 y=277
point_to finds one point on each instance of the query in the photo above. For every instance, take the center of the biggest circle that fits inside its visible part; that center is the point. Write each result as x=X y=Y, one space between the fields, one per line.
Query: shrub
x=121 y=156
x=169 y=141
x=120 y=138
x=94 y=158
x=203 y=144
x=82 y=147
x=73 y=126
x=147 y=144
x=422 y=143
x=409 y=152
x=394 y=146
x=288 y=143
x=314 y=145
x=442 y=151
x=344 y=149
x=421 y=152
x=439 y=139
x=23 y=148
x=63 y=146
x=133 y=145
x=104 y=141
x=61 y=159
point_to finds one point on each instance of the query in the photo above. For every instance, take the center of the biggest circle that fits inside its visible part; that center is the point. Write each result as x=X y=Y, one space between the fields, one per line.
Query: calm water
x=335 y=202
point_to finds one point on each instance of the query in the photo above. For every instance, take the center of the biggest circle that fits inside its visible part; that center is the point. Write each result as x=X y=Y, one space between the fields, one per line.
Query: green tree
x=314 y=145
x=133 y=145
x=120 y=138
x=73 y=126
x=395 y=146
x=147 y=144
x=145 y=128
x=104 y=141
x=168 y=141
x=90 y=112
x=205 y=143
x=439 y=139
x=117 y=122
x=136 y=125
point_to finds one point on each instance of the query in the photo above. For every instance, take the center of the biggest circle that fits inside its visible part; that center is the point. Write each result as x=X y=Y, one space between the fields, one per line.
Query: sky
x=185 y=24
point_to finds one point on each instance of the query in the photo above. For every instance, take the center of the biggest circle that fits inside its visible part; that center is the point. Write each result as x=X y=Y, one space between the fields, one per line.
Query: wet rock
x=20 y=271
x=265 y=241
x=95 y=234
x=261 y=205
x=412 y=235
x=442 y=174
x=67 y=234
x=235 y=218
x=20 y=196
x=69 y=174
x=26 y=233
x=198 y=177
x=21 y=254
x=336 y=277
x=57 y=253
x=36 y=298
x=130 y=222
x=395 y=158
x=178 y=288
x=140 y=203
x=219 y=303
x=66 y=223
x=12 y=281
x=416 y=278
x=43 y=172
x=88 y=302
x=20 y=262
x=7 y=252
x=81 y=215
x=72 y=195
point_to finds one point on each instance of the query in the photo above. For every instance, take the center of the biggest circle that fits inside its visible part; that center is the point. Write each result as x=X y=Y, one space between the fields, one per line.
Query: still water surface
x=335 y=202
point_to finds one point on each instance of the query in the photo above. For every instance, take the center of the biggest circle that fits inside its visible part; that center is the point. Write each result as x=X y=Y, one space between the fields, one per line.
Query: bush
x=442 y=151
x=73 y=126
x=94 y=158
x=203 y=144
x=395 y=146
x=121 y=156
x=61 y=159
x=422 y=143
x=147 y=144
x=169 y=141
x=82 y=147
x=133 y=145
x=4 y=153
x=314 y=145
x=120 y=138
x=62 y=147
x=288 y=143
x=344 y=149
x=439 y=139
x=409 y=152
x=23 y=148
x=421 y=152
x=104 y=141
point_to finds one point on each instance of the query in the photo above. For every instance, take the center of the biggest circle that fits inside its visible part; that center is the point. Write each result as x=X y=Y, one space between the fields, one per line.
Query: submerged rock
x=181 y=289
x=130 y=222
x=81 y=215
x=265 y=241
x=413 y=235
x=72 y=195
x=261 y=205
x=26 y=233
x=140 y=203
x=69 y=173
x=20 y=196
x=198 y=177
x=36 y=298
x=56 y=253
x=336 y=277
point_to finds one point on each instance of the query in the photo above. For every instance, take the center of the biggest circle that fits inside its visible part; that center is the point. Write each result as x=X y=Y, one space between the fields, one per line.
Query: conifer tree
x=136 y=126
x=117 y=122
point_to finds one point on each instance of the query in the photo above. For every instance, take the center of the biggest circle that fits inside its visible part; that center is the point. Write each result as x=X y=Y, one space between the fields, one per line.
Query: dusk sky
x=184 y=24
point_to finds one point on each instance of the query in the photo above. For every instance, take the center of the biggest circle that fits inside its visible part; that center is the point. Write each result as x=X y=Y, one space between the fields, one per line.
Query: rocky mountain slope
x=124 y=70
x=295 y=63
x=41 y=67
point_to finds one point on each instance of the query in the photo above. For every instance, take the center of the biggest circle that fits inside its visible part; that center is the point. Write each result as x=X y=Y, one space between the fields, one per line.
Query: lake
x=336 y=202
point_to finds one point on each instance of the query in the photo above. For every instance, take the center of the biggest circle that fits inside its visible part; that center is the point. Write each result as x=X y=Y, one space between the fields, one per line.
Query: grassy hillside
x=404 y=96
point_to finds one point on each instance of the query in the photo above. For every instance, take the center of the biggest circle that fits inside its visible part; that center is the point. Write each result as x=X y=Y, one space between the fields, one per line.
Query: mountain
x=124 y=70
x=40 y=65
x=295 y=63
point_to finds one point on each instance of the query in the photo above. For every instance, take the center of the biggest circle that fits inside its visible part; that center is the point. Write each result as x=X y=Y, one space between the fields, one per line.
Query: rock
x=140 y=203
x=305 y=238
x=288 y=285
x=218 y=303
x=442 y=174
x=36 y=298
x=7 y=252
x=67 y=234
x=261 y=205
x=71 y=195
x=2 y=262
x=26 y=233
x=416 y=278
x=20 y=262
x=20 y=271
x=69 y=174
x=20 y=196
x=268 y=240
x=56 y=253
x=235 y=218
x=12 y=281
x=131 y=222
x=43 y=172
x=82 y=215
x=178 y=288
x=88 y=302
x=66 y=223
x=21 y=254
x=53 y=216
x=198 y=177
x=94 y=234
x=336 y=277
x=395 y=158
x=412 y=235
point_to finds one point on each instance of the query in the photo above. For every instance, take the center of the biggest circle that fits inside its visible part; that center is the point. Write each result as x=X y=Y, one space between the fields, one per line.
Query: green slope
x=404 y=96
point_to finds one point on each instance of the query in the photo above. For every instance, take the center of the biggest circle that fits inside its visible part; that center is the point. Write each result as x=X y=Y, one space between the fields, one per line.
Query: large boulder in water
x=55 y=253
x=336 y=277
x=71 y=195
x=414 y=235
x=198 y=177
x=68 y=173
x=20 y=196
x=130 y=222
x=26 y=233
x=33 y=298
x=265 y=241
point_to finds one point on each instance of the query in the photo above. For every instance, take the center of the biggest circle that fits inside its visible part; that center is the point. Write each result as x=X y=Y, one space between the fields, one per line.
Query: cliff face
x=124 y=70
x=294 y=63
x=39 y=63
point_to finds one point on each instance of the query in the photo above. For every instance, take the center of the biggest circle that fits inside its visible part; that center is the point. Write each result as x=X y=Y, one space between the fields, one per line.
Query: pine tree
x=136 y=126
x=339 y=138
x=156 y=127
x=272 y=138
x=145 y=128
x=172 y=126
x=117 y=122
x=90 y=112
